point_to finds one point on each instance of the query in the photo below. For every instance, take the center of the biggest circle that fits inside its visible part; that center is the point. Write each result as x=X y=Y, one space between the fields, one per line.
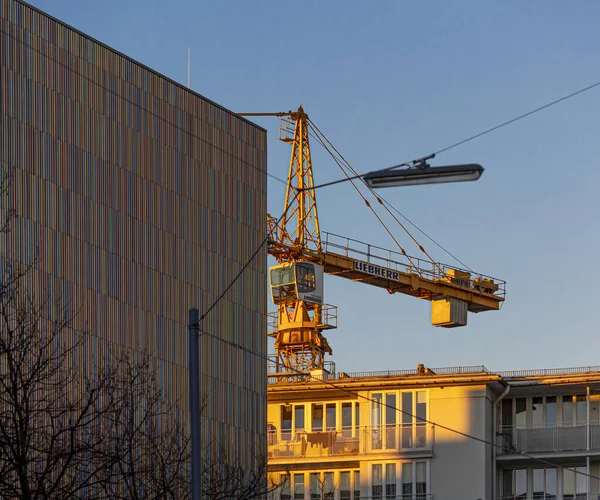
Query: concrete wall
x=461 y=467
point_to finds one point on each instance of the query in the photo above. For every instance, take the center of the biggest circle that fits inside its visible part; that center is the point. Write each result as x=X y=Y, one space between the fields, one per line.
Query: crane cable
x=426 y=235
x=379 y=200
x=410 y=259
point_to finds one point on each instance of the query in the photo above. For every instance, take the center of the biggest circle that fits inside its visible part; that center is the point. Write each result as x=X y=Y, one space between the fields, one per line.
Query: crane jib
x=383 y=272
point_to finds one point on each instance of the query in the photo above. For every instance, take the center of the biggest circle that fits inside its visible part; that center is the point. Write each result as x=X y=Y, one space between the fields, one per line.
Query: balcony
x=406 y=496
x=551 y=439
x=387 y=439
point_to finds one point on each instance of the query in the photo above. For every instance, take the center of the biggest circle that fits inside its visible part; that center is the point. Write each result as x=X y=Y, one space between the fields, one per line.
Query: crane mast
x=297 y=280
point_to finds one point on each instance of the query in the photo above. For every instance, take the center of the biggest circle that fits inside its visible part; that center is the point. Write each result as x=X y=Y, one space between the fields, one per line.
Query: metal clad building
x=140 y=200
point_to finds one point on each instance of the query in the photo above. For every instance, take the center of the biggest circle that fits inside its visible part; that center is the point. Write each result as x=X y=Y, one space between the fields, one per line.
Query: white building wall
x=461 y=467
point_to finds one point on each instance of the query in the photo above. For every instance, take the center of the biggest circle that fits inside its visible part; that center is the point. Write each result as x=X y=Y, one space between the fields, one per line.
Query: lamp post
x=194 y=386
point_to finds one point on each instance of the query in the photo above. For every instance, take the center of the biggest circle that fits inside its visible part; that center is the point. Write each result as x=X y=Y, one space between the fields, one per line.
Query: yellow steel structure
x=300 y=346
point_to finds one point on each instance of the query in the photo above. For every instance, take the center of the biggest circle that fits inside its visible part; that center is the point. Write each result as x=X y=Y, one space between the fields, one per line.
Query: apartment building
x=437 y=434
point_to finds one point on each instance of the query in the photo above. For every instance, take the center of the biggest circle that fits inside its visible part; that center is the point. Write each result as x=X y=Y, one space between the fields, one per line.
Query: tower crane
x=303 y=254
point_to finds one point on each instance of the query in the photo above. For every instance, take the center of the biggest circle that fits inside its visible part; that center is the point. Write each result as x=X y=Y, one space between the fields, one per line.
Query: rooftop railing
x=545 y=372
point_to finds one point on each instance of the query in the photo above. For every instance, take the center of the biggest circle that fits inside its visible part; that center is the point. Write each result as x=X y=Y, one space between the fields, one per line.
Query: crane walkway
x=399 y=273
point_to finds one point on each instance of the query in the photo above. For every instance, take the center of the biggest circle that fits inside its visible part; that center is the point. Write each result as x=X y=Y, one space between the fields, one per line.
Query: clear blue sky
x=390 y=81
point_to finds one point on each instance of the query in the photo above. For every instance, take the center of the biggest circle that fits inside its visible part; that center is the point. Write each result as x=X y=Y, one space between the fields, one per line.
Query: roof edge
x=147 y=68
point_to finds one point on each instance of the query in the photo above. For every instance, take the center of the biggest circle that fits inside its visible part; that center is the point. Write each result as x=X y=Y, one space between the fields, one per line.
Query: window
x=521 y=413
x=298 y=487
x=514 y=483
x=330 y=415
x=421 y=414
x=390 y=421
x=574 y=410
x=356 y=485
x=398 y=420
x=283 y=286
x=317 y=417
x=286 y=422
x=305 y=278
x=544 y=484
x=421 y=478
x=407 y=420
x=345 y=487
x=328 y=486
x=377 y=481
x=537 y=411
x=299 y=417
x=390 y=481
x=292 y=421
x=574 y=483
x=346 y=420
x=580 y=410
x=550 y=411
x=567 y=410
x=407 y=478
x=543 y=411
x=286 y=487
x=315 y=486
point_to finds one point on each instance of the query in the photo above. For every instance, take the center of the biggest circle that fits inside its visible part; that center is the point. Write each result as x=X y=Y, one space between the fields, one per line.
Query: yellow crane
x=303 y=256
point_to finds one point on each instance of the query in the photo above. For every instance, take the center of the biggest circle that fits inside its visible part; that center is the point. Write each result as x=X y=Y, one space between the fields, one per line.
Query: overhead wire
x=244 y=267
x=419 y=246
x=426 y=235
x=402 y=250
x=480 y=134
x=407 y=413
x=520 y=117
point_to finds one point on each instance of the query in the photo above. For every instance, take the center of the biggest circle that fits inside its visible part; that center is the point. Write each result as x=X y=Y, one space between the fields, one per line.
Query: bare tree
x=51 y=412
x=148 y=445
x=69 y=431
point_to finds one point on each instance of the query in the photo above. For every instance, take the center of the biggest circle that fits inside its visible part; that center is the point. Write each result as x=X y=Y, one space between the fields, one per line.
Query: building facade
x=437 y=434
x=137 y=199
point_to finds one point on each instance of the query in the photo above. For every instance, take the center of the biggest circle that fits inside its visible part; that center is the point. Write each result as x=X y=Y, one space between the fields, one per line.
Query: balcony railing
x=397 y=438
x=406 y=496
x=565 y=496
x=550 y=439
x=394 y=439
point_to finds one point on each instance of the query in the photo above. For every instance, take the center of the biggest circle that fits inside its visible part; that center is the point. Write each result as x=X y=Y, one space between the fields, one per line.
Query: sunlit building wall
x=443 y=434
x=137 y=199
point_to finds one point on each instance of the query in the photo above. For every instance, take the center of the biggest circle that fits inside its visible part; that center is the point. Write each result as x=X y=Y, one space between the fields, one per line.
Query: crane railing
x=397 y=261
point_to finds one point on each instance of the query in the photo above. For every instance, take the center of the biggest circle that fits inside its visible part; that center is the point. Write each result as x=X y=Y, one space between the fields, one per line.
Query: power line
x=480 y=134
x=321 y=138
x=407 y=413
x=241 y=271
x=277 y=179
x=520 y=117
x=425 y=234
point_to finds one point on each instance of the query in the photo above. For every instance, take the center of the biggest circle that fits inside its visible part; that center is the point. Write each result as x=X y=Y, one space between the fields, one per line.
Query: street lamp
x=416 y=172
x=422 y=173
